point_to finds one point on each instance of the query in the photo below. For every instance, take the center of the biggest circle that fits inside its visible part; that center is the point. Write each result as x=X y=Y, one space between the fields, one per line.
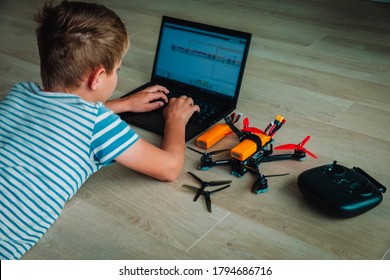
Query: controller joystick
x=333 y=169
x=340 y=191
x=337 y=169
x=364 y=190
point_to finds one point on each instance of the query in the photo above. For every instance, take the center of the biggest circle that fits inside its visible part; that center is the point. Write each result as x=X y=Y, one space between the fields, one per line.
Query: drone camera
x=212 y=136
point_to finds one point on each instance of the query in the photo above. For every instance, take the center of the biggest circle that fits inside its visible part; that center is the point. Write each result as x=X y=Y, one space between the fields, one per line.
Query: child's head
x=76 y=38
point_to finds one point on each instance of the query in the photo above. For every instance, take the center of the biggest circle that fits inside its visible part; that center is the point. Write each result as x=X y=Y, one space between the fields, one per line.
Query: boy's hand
x=180 y=109
x=148 y=99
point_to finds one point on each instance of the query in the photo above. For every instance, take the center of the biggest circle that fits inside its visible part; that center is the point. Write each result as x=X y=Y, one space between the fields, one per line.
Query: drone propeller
x=257 y=172
x=213 y=153
x=206 y=194
x=276 y=175
x=206 y=184
x=210 y=183
x=247 y=128
x=190 y=187
x=299 y=147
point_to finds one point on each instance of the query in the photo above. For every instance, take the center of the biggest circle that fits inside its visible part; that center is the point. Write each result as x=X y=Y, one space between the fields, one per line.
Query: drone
x=255 y=147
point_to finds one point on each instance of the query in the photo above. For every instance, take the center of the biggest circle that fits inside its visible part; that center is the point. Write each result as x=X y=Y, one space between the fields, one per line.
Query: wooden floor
x=323 y=65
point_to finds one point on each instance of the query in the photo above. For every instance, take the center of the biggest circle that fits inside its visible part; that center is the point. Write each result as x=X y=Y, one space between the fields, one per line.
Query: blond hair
x=74 y=39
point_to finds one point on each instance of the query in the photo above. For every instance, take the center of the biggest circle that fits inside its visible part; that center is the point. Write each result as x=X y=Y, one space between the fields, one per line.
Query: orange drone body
x=248 y=147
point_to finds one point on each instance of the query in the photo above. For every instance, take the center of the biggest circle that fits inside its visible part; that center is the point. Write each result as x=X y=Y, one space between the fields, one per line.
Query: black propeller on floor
x=201 y=191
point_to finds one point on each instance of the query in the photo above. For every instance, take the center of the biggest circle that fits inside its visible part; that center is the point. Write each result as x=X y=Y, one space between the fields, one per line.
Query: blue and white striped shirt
x=50 y=143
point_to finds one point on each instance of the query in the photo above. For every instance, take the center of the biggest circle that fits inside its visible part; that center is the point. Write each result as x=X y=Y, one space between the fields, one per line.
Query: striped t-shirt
x=50 y=143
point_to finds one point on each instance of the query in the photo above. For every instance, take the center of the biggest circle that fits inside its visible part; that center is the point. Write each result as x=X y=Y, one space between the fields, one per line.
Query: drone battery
x=248 y=147
x=244 y=150
x=212 y=136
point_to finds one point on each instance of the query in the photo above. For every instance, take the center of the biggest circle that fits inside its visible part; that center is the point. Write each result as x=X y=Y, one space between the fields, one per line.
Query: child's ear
x=95 y=78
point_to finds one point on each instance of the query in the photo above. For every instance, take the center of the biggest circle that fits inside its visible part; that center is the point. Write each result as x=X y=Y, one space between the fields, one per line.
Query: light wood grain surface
x=323 y=65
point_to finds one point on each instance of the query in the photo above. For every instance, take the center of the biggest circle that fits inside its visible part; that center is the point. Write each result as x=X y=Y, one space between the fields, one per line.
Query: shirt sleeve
x=111 y=136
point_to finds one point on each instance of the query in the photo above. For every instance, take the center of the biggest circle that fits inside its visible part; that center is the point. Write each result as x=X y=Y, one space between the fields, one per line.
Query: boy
x=53 y=139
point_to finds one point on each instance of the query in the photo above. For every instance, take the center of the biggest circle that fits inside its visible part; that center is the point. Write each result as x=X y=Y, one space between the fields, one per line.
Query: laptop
x=201 y=61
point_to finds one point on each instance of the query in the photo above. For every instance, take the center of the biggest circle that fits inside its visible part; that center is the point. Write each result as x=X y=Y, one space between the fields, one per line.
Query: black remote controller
x=340 y=191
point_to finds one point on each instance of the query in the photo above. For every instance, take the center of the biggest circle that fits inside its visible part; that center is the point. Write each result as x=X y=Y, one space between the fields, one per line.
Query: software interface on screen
x=200 y=58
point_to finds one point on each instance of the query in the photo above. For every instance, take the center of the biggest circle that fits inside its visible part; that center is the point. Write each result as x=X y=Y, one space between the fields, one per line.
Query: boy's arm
x=163 y=163
x=142 y=101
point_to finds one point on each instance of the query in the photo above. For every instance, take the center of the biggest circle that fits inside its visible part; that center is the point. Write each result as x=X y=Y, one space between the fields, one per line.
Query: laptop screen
x=208 y=58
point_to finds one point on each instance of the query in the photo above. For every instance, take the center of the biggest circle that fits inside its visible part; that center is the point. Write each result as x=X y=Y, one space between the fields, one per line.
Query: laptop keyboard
x=206 y=109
